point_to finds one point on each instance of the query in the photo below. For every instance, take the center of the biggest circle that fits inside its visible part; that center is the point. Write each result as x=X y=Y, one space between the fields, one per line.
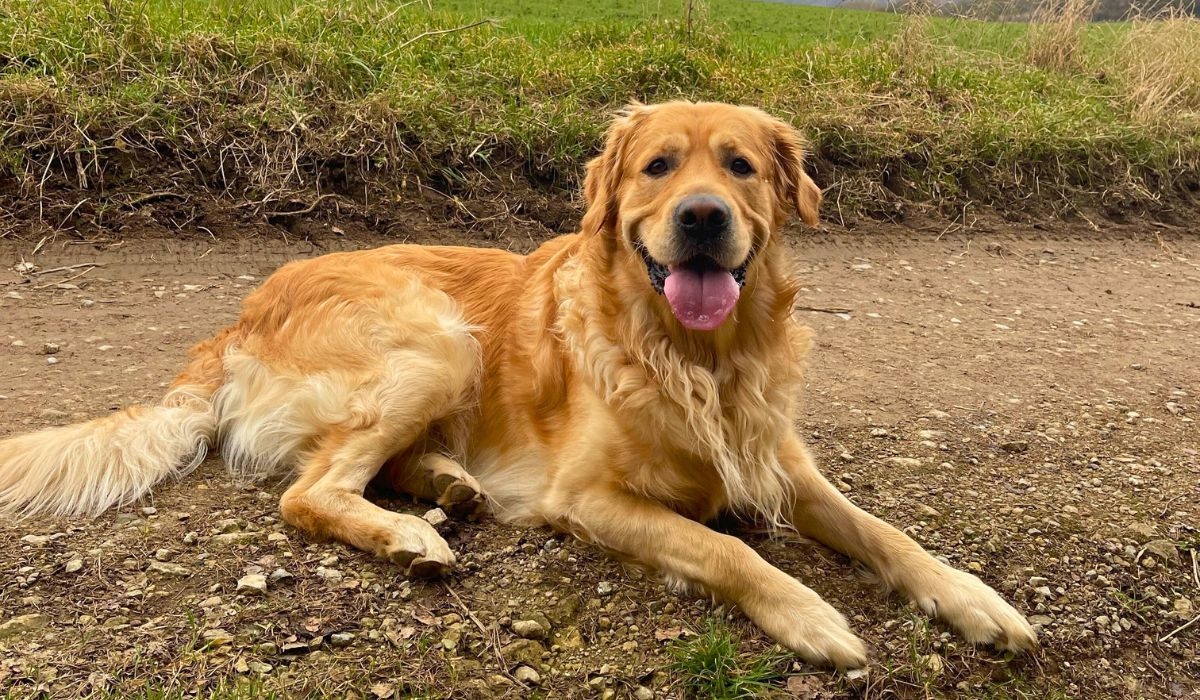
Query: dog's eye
x=658 y=166
x=741 y=166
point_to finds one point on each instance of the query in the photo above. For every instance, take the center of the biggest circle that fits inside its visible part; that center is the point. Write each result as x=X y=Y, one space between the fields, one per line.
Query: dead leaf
x=670 y=633
x=804 y=687
x=383 y=690
x=425 y=617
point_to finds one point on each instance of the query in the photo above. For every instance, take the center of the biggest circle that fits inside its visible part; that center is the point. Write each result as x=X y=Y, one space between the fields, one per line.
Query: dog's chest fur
x=702 y=428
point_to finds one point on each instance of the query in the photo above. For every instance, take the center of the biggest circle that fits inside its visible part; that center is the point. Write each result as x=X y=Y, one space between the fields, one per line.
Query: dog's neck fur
x=677 y=388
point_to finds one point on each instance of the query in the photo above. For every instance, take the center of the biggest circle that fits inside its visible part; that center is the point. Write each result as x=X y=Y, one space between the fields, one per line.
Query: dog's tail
x=87 y=468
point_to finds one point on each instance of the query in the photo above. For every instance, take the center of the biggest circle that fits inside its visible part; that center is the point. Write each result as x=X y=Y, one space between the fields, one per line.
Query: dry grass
x=1056 y=34
x=365 y=99
x=1158 y=66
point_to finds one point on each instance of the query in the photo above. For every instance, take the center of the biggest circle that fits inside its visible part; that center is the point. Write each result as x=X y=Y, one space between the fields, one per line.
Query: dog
x=624 y=384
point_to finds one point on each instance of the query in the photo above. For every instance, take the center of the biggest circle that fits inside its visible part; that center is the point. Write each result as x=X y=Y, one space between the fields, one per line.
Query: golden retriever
x=624 y=384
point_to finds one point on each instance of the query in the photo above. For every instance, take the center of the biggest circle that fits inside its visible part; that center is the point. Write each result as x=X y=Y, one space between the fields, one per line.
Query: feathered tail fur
x=87 y=468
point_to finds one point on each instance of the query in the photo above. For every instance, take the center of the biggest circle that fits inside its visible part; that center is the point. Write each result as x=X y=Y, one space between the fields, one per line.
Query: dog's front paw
x=796 y=617
x=975 y=610
x=415 y=545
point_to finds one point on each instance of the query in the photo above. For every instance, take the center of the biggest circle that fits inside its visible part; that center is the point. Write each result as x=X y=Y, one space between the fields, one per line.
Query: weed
x=710 y=665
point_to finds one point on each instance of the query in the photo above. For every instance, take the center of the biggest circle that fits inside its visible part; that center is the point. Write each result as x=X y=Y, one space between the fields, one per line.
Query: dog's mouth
x=700 y=291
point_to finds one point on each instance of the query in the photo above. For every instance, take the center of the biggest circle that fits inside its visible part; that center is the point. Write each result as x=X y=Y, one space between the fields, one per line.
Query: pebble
x=170 y=569
x=36 y=540
x=528 y=629
x=528 y=676
x=50 y=348
x=253 y=584
x=341 y=639
x=281 y=575
x=52 y=360
x=148 y=511
x=605 y=589
x=436 y=517
x=23 y=624
x=163 y=554
x=329 y=576
x=907 y=462
x=211 y=602
x=643 y=693
x=73 y=566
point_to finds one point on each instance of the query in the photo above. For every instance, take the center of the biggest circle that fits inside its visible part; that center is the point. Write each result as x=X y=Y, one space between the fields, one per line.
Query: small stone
x=50 y=348
x=169 y=568
x=931 y=434
x=329 y=576
x=928 y=511
x=341 y=639
x=1015 y=446
x=436 y=517
x=260 y=667
x=163 y=554
x=1036 y=581
x=1164 y=550
x=23 y=624
x=191 y=538
x=605 y=589
x=233 y=539
x=281 y=575
x=1040 y=621
x=879 y=432
x=211 y=602
x=527 y=676
x=148 y=511
x=528 y=629
x=643 y=693
x=252 y=584
x=277 y=537
x=855 y=674
x=933 y=663
x=73 y=566
x=52 y=360
x=524 y=651
x=906 y=462
x=36 y=540
x=331 y=560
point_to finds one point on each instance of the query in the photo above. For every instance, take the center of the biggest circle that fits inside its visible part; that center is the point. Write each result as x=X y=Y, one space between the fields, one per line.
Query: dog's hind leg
x=439 y=479
x=419 y=388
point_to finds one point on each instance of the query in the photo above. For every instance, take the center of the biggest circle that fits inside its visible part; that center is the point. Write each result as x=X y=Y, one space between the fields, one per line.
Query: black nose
x=702 y=217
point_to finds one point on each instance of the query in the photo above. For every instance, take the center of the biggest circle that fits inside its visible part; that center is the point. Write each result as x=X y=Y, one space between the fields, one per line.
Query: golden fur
x=558 y=385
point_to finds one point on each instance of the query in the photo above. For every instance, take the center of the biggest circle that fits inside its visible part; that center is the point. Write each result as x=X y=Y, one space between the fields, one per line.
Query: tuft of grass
x=1158 y=67
x=1056 y=34
x=711 y=665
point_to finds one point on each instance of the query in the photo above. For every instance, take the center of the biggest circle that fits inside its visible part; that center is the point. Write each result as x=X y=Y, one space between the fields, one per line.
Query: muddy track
x=1038 y=386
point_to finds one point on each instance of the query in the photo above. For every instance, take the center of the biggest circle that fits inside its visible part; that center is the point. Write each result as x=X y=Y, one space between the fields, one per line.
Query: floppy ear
x=793 y=187
x=602 y=183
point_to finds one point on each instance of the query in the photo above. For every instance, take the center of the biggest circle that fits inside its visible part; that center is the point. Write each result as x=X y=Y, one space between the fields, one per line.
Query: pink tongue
x=701 y=300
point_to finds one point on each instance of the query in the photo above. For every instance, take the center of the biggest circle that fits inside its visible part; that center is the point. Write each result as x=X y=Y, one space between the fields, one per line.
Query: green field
x=264 y=96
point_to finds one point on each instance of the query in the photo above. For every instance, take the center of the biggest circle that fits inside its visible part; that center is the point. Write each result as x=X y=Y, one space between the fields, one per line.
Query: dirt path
x=1038 y=390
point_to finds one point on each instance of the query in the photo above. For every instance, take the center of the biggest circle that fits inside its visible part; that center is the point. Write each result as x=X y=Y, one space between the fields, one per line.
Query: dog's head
x=697 y=192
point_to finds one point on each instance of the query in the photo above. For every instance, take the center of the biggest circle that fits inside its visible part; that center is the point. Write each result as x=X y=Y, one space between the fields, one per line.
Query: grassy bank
x=261 y=98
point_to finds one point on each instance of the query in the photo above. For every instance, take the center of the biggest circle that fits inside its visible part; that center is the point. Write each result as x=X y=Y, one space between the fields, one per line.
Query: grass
x=711 y=665
x=260 y=99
